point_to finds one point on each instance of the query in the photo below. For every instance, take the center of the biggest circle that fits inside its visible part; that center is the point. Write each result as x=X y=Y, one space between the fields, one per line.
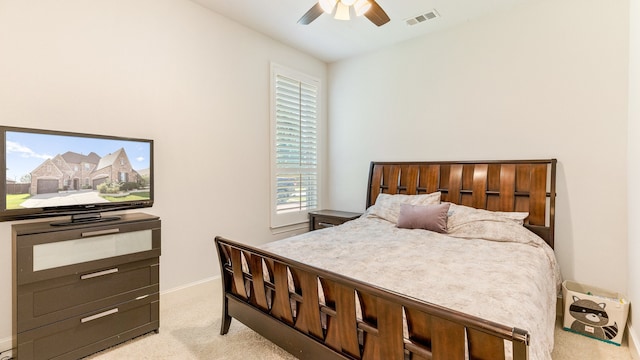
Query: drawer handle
x=99 y=315
x=324 y=224
x=142 y=297
x=99 y=273
x=100 y=232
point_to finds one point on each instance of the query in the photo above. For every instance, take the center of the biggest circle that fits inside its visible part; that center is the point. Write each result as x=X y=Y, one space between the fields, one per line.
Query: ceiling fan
x=369 y=8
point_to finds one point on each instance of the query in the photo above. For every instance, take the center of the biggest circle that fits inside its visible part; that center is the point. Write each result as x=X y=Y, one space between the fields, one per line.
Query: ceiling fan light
x=328 y=5
x=342 y=12
x=361 y=7
x=348 y=2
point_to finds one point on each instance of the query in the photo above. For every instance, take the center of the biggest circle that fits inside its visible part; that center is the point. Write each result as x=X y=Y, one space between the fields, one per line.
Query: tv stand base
x=85 y=218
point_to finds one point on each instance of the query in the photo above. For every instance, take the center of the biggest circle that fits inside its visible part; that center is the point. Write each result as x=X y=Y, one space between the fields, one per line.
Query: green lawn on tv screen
x=14 y=200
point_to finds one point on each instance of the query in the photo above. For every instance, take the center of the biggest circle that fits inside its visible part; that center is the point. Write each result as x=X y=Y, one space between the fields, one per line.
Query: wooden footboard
x=323 y=315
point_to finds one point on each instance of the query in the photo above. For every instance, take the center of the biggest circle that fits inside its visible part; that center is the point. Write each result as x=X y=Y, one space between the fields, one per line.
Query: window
x=294 y=154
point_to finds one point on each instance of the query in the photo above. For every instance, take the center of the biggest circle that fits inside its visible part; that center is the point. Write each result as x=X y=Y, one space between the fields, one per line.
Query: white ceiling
x=331 y=40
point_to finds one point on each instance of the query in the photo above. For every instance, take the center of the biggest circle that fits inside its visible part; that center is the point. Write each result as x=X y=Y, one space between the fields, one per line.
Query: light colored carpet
x=190 y=327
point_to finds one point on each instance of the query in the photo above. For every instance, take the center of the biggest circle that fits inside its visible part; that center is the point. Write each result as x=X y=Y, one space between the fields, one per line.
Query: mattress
x=486 y=265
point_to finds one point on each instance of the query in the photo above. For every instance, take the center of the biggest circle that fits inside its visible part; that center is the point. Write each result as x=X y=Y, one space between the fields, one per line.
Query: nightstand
x=327 y=218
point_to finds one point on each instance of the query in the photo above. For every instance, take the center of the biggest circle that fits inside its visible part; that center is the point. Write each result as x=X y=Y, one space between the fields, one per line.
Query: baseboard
x=189 y=285
x=188 y=291
x=5 y=345
x=634 y=343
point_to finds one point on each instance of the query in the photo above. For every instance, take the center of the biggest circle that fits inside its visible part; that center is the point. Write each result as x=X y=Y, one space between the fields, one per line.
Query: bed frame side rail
x=319 y=318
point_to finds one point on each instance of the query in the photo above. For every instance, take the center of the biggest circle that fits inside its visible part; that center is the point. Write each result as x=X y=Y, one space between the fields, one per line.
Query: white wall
x=545 y=79
x=170 y=70
x=634 y=168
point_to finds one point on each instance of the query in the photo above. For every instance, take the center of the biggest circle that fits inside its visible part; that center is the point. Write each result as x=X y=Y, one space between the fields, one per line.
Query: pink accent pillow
x=387 y=206
x=428 y=217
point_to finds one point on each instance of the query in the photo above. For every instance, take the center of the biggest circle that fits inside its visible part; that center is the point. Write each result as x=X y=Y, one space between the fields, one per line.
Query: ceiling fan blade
x=376 y=14
x=311 y=15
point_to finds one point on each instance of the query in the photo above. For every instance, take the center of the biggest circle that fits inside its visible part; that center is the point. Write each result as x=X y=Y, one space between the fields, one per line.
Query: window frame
x=300 y=216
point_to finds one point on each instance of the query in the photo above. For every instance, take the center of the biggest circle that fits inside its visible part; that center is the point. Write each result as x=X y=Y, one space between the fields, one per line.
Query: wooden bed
x=351 y=319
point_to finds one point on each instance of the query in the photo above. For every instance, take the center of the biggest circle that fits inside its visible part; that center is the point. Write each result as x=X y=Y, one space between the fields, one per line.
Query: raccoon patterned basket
x=594 y=312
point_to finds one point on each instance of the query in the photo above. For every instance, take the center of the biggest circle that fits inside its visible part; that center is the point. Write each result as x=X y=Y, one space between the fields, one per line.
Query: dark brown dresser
x=79 y=289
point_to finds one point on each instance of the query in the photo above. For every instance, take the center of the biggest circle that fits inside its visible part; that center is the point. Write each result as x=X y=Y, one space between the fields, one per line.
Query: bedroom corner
x=634 y=176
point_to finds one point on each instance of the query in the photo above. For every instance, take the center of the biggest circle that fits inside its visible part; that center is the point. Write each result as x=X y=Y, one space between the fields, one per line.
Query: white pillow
x=460 y=214
x=387 y=206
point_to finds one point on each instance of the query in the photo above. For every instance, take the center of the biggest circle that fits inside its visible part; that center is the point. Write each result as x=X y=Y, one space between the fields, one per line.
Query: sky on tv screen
x=26 y=151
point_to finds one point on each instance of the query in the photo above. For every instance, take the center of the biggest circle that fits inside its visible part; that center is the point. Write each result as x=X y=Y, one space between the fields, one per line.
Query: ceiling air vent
x=430 y=15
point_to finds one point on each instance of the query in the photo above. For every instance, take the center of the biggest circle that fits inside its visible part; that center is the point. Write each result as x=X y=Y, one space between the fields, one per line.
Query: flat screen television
x=58 y=173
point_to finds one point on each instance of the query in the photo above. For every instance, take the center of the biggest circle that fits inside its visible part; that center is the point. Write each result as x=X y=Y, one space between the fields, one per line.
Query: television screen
x=53 y=173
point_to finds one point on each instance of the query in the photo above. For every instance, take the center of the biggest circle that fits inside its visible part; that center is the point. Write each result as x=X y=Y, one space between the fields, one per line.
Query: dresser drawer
x=328 y=218
x=44 y=256
x=45 y=302
x=325 y=222
x=85 y=334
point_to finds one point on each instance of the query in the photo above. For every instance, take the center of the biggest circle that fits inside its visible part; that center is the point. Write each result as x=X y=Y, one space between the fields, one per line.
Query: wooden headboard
x=512 y=185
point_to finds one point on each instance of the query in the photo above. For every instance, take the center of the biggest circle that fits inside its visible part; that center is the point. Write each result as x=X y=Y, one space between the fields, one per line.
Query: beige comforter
x=492 y=268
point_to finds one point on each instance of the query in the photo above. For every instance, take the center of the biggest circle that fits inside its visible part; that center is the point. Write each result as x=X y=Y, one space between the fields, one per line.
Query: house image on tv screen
x=73 y=171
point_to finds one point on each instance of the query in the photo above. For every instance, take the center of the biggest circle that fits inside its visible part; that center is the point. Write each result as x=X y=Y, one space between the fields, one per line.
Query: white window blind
x=295 y=147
